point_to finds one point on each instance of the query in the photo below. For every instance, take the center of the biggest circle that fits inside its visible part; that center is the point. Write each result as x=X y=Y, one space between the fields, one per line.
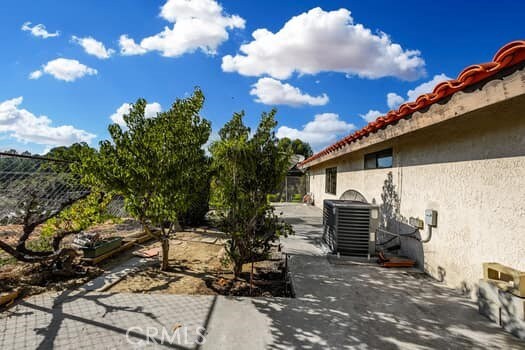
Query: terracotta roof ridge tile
x=507 y=56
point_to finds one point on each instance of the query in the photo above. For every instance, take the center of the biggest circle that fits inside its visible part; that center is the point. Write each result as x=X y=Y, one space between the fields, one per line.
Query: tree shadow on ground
x=369 y=307
x=50 y=331
x=300 y=221
x=74 y=306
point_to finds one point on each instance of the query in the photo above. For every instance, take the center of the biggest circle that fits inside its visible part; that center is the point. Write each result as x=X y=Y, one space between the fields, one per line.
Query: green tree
x=71 y=153
x=155 y=163
x=34 y=190
x=80 y=216
x=246 y=170
x=296 y=146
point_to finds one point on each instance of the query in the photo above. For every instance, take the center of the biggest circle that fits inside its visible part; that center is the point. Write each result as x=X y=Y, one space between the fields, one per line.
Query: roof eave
x=507 y=85
x=510 y=55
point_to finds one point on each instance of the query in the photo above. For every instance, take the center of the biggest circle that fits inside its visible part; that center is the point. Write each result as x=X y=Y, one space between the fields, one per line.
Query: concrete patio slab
x=308 y=226
x=358 y=305
x=361 y=305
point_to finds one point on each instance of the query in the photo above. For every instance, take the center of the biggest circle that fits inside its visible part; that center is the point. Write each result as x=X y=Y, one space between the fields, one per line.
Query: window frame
x=375 y=156
x=330 y=185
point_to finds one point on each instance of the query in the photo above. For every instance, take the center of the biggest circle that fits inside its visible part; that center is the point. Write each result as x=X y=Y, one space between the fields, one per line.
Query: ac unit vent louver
x=349 y=227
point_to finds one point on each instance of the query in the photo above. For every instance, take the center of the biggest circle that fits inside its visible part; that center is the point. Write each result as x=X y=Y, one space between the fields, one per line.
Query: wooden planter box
x=7 y=297
x=102 y=248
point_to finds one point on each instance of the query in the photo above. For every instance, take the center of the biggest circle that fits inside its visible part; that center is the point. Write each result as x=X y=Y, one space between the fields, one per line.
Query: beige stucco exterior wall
x=471 y=170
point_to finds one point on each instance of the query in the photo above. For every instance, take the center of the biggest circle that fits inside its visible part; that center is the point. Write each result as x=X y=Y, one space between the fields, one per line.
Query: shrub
x=6 y=260
x=297 y=198
x=81 y=214
x=272 y=198
x=246 y=171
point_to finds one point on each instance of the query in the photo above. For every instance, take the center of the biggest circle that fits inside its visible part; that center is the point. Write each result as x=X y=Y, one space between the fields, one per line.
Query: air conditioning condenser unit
x=350 y=227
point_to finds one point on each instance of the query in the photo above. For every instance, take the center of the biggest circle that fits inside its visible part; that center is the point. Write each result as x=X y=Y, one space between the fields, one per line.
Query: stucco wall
x=472 y=171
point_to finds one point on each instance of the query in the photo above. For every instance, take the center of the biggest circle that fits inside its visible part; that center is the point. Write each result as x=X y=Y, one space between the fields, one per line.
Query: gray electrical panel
x=431 y=217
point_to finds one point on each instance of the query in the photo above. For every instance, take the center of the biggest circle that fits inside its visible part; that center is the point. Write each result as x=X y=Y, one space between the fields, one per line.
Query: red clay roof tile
x=509 y=55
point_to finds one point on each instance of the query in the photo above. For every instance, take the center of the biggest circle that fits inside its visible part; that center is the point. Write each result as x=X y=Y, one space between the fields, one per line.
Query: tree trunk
x=237 y=268
x=251 y=279
x=30 y=256
x=165 y=243
x=28 y=229
x=58 y=237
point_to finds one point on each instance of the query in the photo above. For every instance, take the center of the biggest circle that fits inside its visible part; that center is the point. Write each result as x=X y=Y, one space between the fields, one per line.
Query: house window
x=307 y=183
x=331 y=180
x=379 y=160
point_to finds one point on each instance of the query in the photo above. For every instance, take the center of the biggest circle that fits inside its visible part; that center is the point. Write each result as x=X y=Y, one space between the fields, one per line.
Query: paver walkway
x=100 y=321
x=109 y=278
x=337 y=306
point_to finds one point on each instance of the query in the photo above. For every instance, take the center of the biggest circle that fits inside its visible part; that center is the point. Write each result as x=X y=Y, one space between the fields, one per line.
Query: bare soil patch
x=198 y=266
x=36 y=278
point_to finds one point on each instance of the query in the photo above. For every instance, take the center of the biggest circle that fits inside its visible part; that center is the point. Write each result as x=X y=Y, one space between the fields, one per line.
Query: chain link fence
x=33 y=189
x=292 y=189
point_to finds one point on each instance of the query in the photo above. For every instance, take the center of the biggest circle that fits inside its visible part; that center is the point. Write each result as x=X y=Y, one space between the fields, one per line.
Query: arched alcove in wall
x=353 y=195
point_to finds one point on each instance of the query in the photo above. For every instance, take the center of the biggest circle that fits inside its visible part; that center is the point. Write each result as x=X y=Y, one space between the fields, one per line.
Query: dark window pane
x=370 y=161
x=384 y=162
x=331 y=180
x=381 y=159
x=334 y=181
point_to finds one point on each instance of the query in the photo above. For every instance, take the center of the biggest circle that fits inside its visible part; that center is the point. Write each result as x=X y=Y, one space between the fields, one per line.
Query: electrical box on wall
x=416 y=222
x=431 y=217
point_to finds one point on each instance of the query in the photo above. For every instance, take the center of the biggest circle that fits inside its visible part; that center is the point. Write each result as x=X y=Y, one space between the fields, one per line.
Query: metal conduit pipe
x=412 y=234
x=429 y=235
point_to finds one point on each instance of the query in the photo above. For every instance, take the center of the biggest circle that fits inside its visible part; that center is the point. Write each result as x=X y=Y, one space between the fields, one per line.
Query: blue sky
x=323 y=64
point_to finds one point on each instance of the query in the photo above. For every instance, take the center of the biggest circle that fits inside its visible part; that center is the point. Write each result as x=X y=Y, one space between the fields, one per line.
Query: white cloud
x=320 y=41
x=93 y=47
x=214 y=136
x=128 y=47
x=325 y=129
x=151 y=111
x=35 y=75
x=371 y=115
x=273 y=92
x=394 y=100
x=64 y=69
x=39 y=30
x=24 y=126
x=427 y=87
x=197 y=24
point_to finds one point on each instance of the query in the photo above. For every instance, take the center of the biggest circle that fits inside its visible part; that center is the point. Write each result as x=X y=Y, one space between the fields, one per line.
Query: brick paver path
x=102 y=320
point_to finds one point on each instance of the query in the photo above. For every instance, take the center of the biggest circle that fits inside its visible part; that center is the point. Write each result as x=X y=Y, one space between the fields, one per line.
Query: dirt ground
x=35 y=278
x=198 y=266
x=191 y=263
